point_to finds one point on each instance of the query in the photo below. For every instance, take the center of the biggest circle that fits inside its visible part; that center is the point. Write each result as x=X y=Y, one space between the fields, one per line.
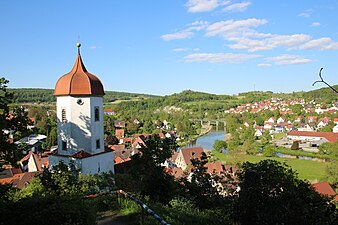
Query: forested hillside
x=325 y=94
x=29 y=95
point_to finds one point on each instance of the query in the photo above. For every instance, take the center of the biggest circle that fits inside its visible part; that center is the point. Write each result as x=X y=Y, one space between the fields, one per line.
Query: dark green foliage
x=200 y=188
x=11 y=119
x=329 y=149
x=332 y=172
x=219 y=145
x=269 y=151
x=34 y=95
x=324 y=94
x=146 y=175
x=181 y=211
x=54 y=210
x=271 y=193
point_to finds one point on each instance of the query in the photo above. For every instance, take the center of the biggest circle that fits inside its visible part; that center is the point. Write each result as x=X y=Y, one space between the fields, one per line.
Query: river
x=207 y=141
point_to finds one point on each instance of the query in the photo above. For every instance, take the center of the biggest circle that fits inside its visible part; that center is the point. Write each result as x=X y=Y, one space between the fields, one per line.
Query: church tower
x=79 y=104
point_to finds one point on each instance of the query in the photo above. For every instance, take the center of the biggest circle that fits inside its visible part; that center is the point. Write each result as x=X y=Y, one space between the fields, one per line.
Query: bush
x=51 y=211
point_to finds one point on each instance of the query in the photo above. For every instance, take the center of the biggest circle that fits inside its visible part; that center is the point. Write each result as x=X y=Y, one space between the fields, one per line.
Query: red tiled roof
x=176 y=172
x=79 y=82
x=330 y=136
x=324 y=188
x=190 y=153
x=81 y=154
x=214 y=167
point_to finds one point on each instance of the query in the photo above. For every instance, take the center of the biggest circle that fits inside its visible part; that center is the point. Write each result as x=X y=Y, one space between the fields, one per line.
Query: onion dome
x=79 y=81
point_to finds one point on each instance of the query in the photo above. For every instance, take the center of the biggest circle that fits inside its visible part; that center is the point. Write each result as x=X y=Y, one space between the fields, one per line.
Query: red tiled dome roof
x=78 y=82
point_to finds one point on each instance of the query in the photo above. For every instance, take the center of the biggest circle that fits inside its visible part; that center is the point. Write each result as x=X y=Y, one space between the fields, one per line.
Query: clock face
x=79 y=101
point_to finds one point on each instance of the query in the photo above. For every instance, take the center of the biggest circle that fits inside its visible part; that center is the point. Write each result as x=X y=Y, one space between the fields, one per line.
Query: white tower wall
x=80 y=130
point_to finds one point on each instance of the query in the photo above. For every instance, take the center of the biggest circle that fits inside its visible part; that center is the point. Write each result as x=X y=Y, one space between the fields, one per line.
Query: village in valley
x=301 y=132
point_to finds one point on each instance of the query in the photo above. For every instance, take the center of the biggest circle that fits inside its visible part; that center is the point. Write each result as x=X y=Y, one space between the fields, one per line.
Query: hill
x=325 y=94
x=33 y=95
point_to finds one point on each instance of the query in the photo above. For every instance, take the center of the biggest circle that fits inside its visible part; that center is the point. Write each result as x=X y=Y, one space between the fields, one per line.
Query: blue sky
x=167 y=46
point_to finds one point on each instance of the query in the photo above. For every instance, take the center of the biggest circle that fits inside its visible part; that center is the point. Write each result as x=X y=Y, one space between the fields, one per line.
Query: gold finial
x=78 y=45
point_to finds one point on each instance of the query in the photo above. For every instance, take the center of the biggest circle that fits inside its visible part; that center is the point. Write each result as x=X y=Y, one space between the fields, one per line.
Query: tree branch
x=323 y=81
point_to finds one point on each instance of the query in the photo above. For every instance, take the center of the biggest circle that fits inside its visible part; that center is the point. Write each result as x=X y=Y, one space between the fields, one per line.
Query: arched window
x=97 y=114
x=63 y=116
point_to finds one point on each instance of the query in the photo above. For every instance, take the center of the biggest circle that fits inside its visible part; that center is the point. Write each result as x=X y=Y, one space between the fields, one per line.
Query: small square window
x=97 y=143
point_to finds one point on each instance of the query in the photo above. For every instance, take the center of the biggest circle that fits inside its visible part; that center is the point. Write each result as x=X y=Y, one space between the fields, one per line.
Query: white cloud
x=178 y=35
x=324 y=43
x=264 y=65
x=288 y=60
x=197 y=25
x=315 y=24
x=180 y=49
x=185 y=49
x=219 y=57
x=269 y=43
x=237 y=7
x=187 y=32
x=304 y=14
x=230 y=28
x=195 y=6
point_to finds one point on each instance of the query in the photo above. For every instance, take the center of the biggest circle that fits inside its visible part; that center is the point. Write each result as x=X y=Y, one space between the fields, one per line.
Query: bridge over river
x=210 y=122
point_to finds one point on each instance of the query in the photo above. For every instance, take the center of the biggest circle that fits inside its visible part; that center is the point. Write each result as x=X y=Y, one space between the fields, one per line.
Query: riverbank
x=204 y=131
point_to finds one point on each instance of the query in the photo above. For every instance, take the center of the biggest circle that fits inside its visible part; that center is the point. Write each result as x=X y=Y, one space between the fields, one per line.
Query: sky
x=163 y=47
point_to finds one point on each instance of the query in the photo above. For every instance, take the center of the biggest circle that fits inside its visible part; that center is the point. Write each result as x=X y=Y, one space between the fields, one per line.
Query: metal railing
x=143 y=206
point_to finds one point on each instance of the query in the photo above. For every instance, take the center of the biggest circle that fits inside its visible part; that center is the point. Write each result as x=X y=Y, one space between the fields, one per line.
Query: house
x=119 y=133
x=119 y=124
x=186 y=154
x=109 y=112
x=325 y=189
x=335 y=121
x=18 y=180
x=258 y=133
x=33 y=162
x=295 y=135
x=335 y=129
x=306 y=127
x=280 y=120
x=268 y=125
x=311 y=119
x=298 y=119
x=271 y=120
x=214 y=168
x=33 y=142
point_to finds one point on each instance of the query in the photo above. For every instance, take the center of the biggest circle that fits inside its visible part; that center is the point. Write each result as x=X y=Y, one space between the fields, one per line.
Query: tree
x=146 y=174
x=219 y=145
x=14 y=123
x=200 y=188
x=271 y=193
x=269 y=151
x=332 y=172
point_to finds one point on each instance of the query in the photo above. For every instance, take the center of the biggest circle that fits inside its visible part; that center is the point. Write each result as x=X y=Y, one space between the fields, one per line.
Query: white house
x=79 y=108
x=280 y=120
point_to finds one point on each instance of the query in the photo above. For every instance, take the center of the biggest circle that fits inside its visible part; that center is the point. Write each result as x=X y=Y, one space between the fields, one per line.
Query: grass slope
x=306 y=169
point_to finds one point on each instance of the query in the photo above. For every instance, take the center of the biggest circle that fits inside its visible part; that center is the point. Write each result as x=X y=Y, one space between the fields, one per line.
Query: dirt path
x=114 y=218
